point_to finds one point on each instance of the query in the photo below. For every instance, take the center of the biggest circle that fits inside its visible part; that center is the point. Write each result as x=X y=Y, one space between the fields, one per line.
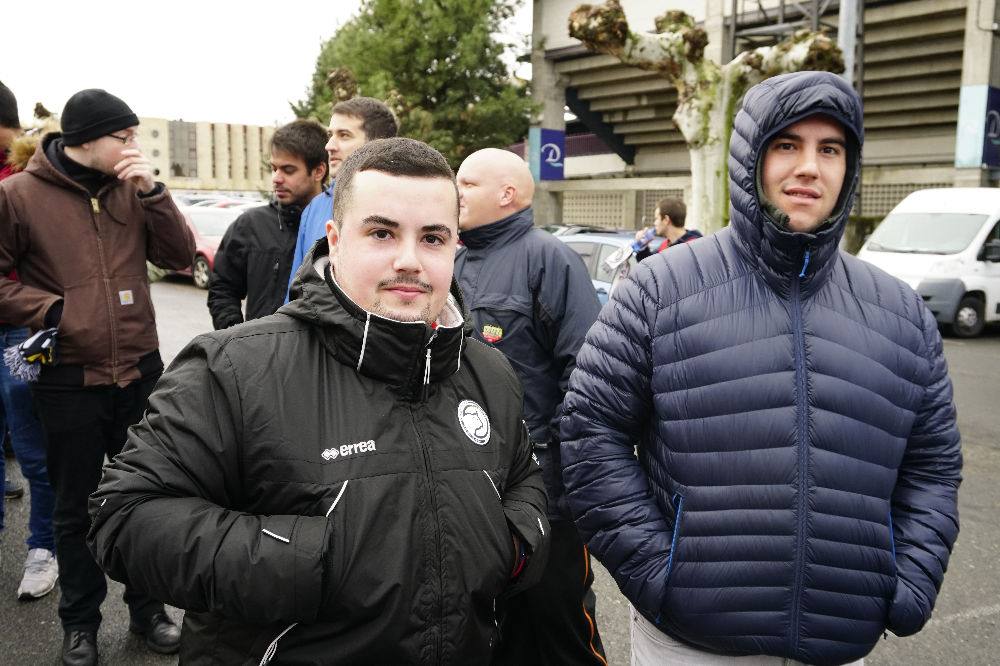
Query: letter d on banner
x=546 y=153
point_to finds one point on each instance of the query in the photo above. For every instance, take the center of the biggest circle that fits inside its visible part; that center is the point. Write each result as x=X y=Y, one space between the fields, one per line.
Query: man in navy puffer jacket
x=795 y=492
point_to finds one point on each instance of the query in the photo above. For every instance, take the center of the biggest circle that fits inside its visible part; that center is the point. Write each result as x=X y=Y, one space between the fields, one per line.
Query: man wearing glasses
x=78 y=225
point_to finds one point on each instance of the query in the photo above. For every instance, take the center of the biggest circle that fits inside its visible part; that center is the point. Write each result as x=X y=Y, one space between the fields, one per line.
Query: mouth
x=802 y=193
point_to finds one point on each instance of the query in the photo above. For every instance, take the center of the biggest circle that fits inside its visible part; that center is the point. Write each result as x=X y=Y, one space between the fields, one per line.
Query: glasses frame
x=127 y=139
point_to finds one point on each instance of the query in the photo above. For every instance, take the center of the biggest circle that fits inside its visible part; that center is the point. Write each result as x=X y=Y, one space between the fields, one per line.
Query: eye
x=381 y=234
x=784 y=145
x=831 y=150
x=434 y=239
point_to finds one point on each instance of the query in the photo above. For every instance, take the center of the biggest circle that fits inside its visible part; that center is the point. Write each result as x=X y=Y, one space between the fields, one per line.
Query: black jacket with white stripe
x=325 y=486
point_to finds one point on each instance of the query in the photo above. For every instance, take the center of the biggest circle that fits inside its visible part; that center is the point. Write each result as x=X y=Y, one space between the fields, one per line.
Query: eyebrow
x=792 y=136
x=378 y=220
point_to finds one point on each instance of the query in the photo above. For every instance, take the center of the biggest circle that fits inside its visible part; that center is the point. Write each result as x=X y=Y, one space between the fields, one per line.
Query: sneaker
x=40 y=574
x=12 y=488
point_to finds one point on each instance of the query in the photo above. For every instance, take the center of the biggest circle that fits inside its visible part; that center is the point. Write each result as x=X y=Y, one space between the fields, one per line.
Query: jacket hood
x=768 y=108
x=501 y=232
x=41 y=166
x=408 y=356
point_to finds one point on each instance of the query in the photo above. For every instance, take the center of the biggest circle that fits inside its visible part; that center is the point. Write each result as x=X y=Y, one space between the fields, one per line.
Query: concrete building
x=930 y=80
x=208 y=156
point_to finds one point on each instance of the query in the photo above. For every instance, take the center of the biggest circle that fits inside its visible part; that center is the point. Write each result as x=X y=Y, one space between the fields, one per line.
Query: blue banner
x=547 y=153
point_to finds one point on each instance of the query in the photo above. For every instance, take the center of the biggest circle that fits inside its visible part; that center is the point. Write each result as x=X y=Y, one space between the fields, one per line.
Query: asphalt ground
x=965 y=628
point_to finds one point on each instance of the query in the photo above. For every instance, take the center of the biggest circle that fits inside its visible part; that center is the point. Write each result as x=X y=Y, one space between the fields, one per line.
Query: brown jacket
x=89 y=252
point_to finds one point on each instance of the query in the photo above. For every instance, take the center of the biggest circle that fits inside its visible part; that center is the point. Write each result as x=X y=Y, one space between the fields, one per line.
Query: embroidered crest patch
x=492 y=333
x=474 y=421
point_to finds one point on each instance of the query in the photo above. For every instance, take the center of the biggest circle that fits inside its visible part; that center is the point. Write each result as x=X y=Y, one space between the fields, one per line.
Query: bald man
x=530 y=296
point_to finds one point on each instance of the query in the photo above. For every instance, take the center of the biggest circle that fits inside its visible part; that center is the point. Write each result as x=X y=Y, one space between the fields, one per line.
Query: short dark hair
x=305 y=139
x=396 y=156
x=377 y=121
x=675 y=208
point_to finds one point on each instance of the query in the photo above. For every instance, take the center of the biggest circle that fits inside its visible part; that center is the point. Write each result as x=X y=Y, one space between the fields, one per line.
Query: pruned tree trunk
x=707 y=93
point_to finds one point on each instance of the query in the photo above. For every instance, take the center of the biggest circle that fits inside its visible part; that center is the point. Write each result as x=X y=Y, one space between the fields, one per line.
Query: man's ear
x=319 y=173
x=333 y=239
x=507 y=195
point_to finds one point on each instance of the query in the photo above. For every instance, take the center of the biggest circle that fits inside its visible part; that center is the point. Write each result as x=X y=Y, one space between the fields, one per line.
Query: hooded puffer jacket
x=325 y=486
x=795 y=492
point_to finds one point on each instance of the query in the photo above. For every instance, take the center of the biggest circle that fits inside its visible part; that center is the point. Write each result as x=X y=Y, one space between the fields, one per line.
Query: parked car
x=208 y=226
x=945 y=243
x=595 y=249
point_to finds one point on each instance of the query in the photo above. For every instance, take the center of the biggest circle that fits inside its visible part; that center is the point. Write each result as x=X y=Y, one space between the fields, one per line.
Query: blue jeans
x=18 y=414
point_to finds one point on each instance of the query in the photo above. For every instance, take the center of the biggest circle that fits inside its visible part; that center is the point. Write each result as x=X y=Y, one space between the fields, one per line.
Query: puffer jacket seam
x=706 y=289
x=728 y=313
x=879 y=306
x=617 y=391
x=894 y=343
x=608 y=355
x=616 y=329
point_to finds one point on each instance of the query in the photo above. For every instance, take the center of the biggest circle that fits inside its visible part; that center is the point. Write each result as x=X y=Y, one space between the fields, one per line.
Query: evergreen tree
x=437 y=63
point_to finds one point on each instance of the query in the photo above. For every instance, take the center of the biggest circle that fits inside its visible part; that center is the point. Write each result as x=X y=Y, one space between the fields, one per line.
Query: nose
x=331 y=145
x=806 y=166
x=406 y=260
x=276 y=178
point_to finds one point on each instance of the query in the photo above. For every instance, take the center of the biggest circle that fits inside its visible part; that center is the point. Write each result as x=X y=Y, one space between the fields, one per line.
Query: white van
x=945 y=243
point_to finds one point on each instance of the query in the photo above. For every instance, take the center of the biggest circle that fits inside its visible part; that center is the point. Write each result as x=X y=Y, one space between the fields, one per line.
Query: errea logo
x=348 y=450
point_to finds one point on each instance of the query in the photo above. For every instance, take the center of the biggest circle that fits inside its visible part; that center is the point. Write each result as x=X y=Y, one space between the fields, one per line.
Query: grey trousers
x=652 y=647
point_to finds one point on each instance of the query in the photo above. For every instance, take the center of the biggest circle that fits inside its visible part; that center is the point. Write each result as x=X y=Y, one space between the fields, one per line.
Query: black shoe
x=161 y=634
x=79 y=648
x=12 y=488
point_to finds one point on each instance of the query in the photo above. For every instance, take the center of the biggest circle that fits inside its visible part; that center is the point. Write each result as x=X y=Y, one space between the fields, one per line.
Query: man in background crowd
x=78 y=225
x=353 y=123
x=254 y=259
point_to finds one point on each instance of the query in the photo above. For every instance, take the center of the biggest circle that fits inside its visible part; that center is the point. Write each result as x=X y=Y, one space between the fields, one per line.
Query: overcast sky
x=215 y=61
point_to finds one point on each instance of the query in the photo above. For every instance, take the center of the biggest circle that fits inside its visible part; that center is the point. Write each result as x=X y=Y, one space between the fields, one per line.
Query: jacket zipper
x=429 y=474
x=427 y=368
x=95 y=206
x=802 y=445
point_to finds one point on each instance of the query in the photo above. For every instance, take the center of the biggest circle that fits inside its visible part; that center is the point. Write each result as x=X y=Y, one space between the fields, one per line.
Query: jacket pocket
x=678 y=502
x=493 y=479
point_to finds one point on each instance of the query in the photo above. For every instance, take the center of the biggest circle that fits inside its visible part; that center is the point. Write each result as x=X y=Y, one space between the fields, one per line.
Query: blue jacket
x=530 y=296
x=312 y=227
x=795 y=492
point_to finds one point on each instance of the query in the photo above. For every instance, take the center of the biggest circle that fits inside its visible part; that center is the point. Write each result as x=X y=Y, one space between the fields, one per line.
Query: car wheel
x=968 y=318
x=200 y=272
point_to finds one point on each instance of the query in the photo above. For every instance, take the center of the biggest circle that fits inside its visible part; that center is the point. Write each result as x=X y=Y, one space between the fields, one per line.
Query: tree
x=707 y=93
x=437 y=63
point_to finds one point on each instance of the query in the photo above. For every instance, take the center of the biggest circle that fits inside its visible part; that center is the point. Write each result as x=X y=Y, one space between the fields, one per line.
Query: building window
x=183 y=143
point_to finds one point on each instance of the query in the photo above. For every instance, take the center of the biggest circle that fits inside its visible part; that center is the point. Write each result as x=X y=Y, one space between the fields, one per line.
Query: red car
x=207 y=225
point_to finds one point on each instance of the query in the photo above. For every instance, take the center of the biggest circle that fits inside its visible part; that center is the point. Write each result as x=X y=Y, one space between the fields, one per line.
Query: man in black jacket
x=348 y=481
x=530 y=297
x=254 y=258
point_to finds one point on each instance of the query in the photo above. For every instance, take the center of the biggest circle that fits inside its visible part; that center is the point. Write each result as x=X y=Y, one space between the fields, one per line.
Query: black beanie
x=93 y=113
x=8 y=109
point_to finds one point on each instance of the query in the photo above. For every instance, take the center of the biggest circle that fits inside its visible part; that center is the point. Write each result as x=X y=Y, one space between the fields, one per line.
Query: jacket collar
x=768 y=108
x=408 y=356
x=288 y=216
x=500 y=232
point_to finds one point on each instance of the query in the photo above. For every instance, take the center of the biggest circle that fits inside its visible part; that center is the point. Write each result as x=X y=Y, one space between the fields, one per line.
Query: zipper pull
x=805 y=264
x=95 y=205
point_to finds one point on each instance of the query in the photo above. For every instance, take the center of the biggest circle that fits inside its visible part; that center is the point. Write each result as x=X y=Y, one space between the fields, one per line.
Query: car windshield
x=926 y=233
x=213 y=222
